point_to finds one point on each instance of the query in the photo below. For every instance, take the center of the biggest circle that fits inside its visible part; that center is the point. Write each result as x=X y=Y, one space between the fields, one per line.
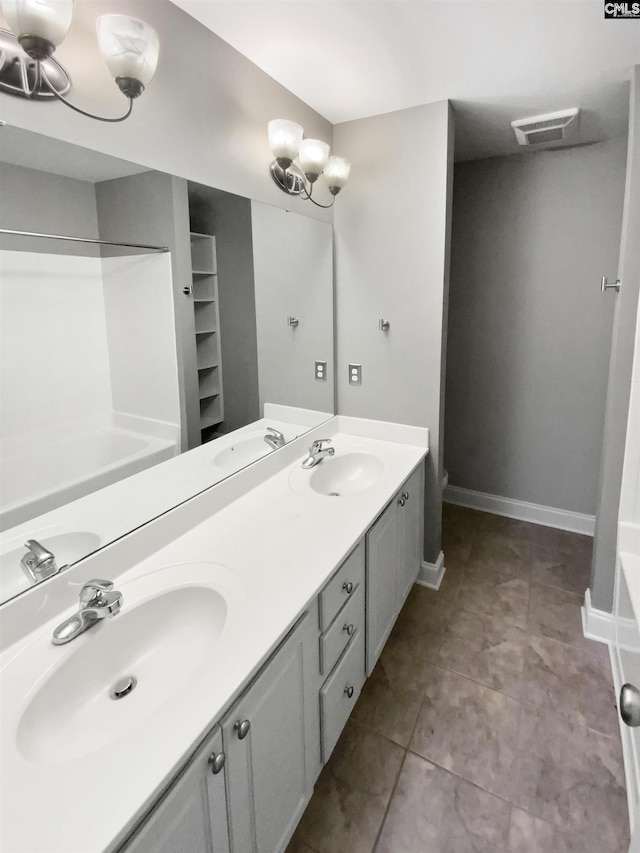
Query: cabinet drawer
x=342 y=585
x=340 y=693
x=349 y=620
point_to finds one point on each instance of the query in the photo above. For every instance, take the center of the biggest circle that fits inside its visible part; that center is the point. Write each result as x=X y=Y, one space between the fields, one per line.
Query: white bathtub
x=43 y=470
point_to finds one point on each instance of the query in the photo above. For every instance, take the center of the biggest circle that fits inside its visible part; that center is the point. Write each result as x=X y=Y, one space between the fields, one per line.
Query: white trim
x=596 y=624
x=563 y=519
x=431 y=574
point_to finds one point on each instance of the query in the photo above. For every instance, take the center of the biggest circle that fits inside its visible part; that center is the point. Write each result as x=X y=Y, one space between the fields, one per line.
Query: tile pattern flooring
x=489 y=723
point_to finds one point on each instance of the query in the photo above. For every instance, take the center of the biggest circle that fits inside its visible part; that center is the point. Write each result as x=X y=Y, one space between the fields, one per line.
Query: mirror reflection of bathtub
x=101 y=377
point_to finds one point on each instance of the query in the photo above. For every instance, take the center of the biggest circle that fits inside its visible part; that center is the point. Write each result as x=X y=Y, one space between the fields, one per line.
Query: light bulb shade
x=313 y=156
x=336 y=173
x=284 y=138
x=46 y=19
x=129 y=47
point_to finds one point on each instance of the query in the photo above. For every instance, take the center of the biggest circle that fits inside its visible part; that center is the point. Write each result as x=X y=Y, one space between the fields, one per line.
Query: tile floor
x=489 y=723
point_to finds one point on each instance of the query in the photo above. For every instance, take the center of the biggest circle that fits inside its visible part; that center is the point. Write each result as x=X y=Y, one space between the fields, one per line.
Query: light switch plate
x=355 y=374
x=321 y=371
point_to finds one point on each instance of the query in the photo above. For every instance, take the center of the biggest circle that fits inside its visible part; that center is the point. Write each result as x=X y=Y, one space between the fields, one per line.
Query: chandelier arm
x=317 y=203
x=67 y=103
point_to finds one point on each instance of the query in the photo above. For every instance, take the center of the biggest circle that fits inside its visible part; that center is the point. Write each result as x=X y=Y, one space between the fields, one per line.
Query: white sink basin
x=164 y=637
x=340 y=475
x=242 y=452
x=67 y=548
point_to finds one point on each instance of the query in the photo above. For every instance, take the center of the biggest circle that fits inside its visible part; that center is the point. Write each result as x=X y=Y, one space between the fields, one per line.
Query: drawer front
x=341 y=586
x=340 y=693
x=349 y=620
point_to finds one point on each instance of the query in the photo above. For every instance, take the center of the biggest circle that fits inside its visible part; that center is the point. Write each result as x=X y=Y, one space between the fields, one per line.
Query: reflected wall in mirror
x=115 y=361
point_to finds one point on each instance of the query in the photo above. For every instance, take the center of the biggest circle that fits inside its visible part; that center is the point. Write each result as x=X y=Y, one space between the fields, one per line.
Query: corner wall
x=391 y=263
x=620 y=370
x=529 y=329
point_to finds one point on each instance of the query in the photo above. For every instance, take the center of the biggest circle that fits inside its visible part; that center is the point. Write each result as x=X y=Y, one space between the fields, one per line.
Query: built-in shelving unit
x=207 y=327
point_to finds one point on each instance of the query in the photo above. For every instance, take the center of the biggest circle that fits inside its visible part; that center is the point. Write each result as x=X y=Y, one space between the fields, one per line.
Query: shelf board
x=204 y=300
x=209 y=422
x=206 y=332
x=207 y=367
x=209 y=396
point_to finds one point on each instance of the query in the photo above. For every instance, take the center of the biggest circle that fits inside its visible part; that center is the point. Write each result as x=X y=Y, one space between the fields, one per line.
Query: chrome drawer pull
x=347 y=586
x=242 y=728
x=349 y=629
x=405 y=495
x=348 y=692
x=630 y=705
x=402 y=501
x=217 y=760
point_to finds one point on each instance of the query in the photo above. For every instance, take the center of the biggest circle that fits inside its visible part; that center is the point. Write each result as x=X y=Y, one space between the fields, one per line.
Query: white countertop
x=273 y=548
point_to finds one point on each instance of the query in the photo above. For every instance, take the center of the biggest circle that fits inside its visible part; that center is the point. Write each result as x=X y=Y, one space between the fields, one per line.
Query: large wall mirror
x=190 y=334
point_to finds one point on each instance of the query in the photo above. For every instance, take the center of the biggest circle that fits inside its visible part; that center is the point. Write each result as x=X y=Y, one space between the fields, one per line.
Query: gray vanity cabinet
x=394 y=554
x=271 y=741
x=382 y=582
x=192 y=816
x=410 y=530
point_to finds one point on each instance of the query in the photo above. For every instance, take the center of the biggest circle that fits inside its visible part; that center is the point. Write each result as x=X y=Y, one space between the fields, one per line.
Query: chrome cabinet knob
x=348 y=692
x=216 y=761
x=405 y=495
x=347 y=586
x=402 y=501
x=349 y=629
x=630 y=705
x=242 y=728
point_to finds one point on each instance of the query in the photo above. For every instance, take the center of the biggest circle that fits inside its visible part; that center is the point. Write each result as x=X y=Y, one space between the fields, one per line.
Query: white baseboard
x=431 y=574
x=549 y=516
x=596 y=624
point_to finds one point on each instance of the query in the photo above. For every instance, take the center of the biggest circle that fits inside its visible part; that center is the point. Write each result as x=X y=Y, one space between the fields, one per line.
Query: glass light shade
x=46 y=19
x=313 y=156
x=129 y=47
x=285 y=138
x=336 y=173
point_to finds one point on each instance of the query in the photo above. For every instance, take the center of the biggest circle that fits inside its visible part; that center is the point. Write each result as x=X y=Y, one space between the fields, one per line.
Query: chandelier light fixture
x=28 y=69
x=287 y=143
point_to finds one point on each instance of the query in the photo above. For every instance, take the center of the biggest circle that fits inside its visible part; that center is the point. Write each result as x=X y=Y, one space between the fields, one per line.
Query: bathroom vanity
x=251 y=616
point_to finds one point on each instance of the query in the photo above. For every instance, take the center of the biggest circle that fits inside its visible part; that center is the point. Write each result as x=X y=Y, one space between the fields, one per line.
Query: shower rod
x=83 y=240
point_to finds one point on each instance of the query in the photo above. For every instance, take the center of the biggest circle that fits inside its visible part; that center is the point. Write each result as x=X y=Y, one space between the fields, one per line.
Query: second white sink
x=340 y=475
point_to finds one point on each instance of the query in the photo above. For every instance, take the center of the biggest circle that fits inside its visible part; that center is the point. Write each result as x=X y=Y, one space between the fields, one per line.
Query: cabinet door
x=272 y=740
x=382 y=582
x=192 y=815
x=410 y=530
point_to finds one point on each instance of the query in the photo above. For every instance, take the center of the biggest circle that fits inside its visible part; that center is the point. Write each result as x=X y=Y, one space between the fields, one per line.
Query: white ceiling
x=497 y=60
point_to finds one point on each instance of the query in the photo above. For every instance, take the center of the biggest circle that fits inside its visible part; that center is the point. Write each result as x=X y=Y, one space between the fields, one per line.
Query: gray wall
x=391 y=262
x=529 y=330
x=152 y=208
x=620 y=369
x=228 y=217
x=39 y=201
x=203 y=117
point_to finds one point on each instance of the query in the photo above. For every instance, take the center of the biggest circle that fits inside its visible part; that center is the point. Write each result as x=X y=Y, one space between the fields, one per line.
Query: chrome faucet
x=98 y=600
x=317 y=452
x=274 y=438
x=38 y=563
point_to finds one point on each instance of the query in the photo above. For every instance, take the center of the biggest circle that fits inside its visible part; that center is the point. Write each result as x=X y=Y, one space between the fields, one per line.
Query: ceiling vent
x=551 y=127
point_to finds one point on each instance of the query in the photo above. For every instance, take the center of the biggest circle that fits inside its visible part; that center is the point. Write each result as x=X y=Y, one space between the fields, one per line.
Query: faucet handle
x=275 y=433
x=317 y=444
x=92 y=590
x=38 y=553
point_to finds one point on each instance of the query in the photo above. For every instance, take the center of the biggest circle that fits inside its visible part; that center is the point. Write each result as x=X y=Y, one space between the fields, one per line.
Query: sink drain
x=123 y=687
x=334 y=494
